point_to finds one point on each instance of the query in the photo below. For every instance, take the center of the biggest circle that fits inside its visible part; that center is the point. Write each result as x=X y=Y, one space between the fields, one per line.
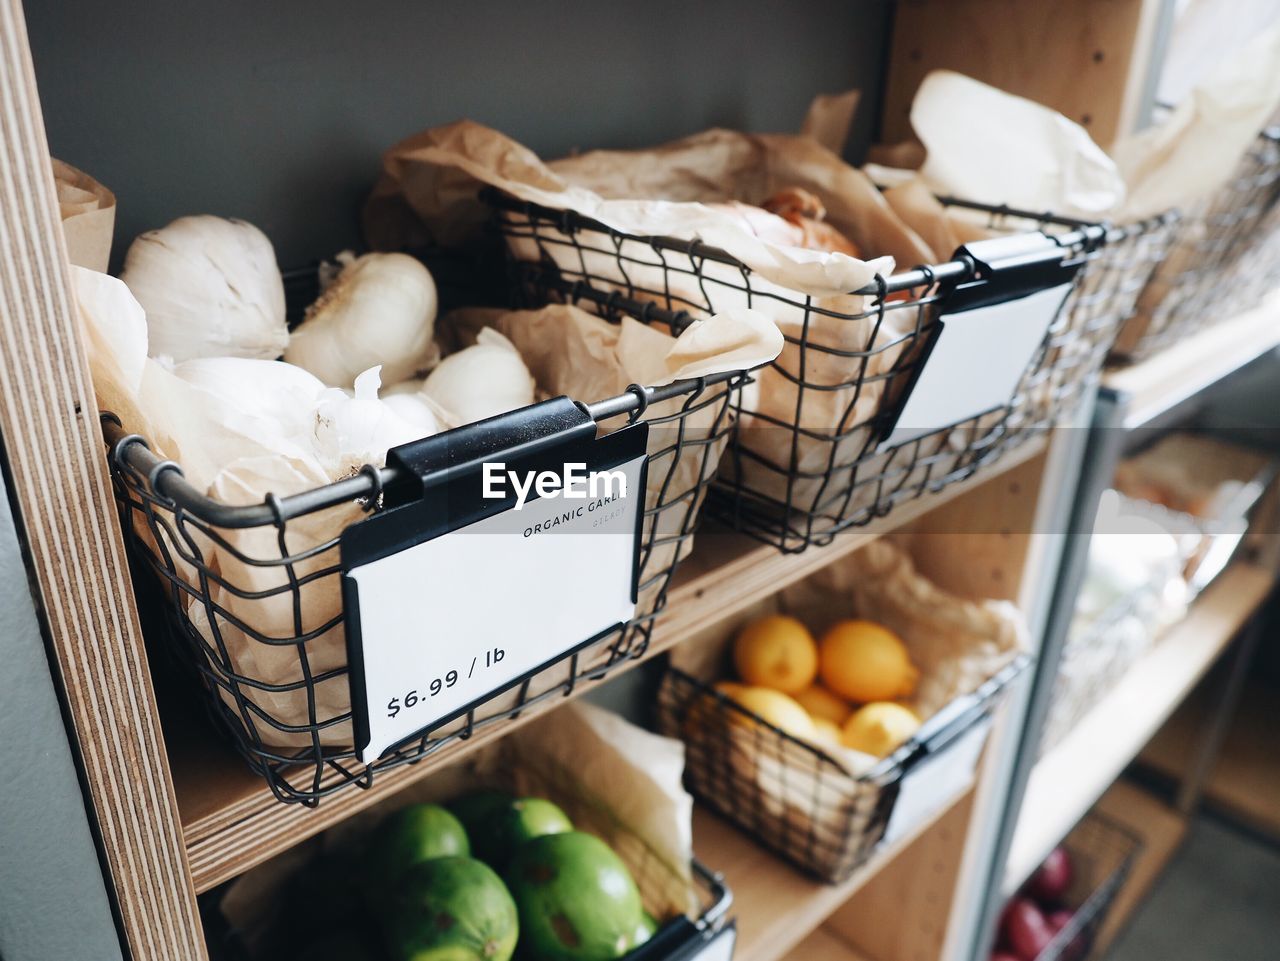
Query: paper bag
x=88 y=212
x=992 y=147
x=1190 y=154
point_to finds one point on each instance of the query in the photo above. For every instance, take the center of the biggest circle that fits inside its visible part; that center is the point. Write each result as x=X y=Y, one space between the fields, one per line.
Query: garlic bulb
x=210 y=287
x=485 y=379
x=412 y=386
x=350 y=432
x=381 y=310
x=414 y=409
x=268 y=401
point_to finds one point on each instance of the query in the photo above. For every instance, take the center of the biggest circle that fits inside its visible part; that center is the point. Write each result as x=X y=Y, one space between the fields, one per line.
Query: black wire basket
x=813 y=459
x=1224 y=261
x=1102 y=853
x=285 y=699
x=792 y=796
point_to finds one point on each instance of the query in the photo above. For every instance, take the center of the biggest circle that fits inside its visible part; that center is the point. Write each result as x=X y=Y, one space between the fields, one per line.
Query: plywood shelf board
x=825 y=945
x=778 y=907
x=1068 y=780
x=1245 y=781
x=231 y=822
x=1088 y=60
x=56 y=476
x=1186 y=368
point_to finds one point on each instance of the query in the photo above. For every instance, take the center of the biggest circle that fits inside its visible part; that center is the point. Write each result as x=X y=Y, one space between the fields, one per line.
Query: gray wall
x=278 y=112
x=53 y=905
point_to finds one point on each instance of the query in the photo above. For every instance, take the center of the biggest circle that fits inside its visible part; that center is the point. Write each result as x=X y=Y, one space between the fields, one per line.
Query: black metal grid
x=1225 y=258
x=293 y=727
x=1102 y=853
x=811 y=465
x=788 y=794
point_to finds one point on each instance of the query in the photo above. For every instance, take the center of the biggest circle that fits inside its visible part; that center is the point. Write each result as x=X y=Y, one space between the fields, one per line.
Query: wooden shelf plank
x=824 y=945
x=777 y=907
x=1245 y=781
x=1068 y=780
x=1162 y=830
x=1161 y=382
x=231 y=822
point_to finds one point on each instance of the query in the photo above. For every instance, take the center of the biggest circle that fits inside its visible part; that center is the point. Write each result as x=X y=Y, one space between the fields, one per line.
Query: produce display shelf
x=1245 y=781
x=1157 y=385
x=1068 y=780
x=776 y=907
x=231 y=822
x=1161 y=829
x=823 y=945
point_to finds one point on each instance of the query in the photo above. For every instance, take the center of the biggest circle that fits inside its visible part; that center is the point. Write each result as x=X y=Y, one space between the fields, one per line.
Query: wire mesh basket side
x=1094 y=660
x=258 y=611
x=787 y=794
x=806 y=461
x=1223 y=261
x=1102 y=853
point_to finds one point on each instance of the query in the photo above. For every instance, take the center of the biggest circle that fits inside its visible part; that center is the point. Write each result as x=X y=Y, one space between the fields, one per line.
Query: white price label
x=976 y=362
x=936 y=781
x=720 y=947
x=449 y=621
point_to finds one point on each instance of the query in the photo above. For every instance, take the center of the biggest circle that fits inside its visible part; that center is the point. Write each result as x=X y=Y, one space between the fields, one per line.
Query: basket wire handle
x=642 y=402
x=882 y=291
x=375 y=496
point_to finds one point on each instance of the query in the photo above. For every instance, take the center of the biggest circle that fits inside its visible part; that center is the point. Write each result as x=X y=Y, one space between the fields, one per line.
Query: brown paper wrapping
x=612 y=778
x=88 y=212
x=438 y=173
x=840 y=392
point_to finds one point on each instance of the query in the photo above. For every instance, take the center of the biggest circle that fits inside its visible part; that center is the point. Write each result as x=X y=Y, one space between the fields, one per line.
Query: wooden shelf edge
x=1157 y=385
x=1245 y=781
x=1068 y=780
x=825 y=945
x=726 y=573
x=777 y=907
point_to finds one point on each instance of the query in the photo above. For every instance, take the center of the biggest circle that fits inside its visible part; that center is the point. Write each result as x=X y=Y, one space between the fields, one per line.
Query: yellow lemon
x=777 y=652
x=865 y=662
x=776 y=708
x=822 y=705
x=825 y=733
x=878 y=728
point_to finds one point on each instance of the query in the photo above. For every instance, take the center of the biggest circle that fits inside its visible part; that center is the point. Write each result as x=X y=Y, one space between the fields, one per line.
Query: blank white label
x=936 y=781
x=447 y=622
x=976 y=363
x=719 y=948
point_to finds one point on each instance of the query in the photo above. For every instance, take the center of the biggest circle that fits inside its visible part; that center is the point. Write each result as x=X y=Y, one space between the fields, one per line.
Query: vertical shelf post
x=61 y=496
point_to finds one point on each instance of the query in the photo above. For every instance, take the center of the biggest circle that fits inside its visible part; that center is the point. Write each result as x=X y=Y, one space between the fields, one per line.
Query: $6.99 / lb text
x=411 y=699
